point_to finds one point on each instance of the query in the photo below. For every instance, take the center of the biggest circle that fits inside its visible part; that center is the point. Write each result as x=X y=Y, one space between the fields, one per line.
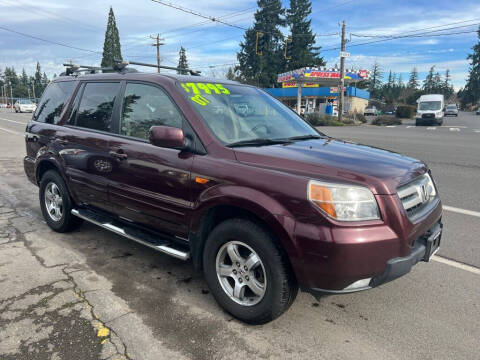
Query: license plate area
x=432 y=242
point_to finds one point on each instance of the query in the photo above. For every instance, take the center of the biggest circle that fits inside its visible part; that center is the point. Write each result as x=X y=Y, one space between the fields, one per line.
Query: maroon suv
x=225 y=175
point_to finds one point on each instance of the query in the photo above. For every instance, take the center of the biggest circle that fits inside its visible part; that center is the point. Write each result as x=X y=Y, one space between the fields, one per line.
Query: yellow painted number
x=204 y=87
x=222 y=89
x=200 y=100
x=193 y=87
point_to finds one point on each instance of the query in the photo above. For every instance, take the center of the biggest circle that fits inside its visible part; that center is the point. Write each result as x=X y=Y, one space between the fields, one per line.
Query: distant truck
x=430 y=110
x=370 y=111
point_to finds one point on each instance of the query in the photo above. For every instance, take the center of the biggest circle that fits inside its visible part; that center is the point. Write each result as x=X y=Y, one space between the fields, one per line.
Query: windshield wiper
x=259 y=142
x=304 y=137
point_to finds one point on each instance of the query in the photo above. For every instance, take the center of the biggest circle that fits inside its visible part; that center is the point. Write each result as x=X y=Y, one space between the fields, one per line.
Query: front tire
x=247 y=273
x=56 y=203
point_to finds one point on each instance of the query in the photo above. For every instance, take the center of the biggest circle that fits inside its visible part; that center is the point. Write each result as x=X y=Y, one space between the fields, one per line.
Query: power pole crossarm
x=342 y=74
x=158 y=42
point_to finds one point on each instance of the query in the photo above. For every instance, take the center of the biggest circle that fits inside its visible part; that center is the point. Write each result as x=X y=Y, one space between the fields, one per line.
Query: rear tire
x=267 y=288
x=56 y=203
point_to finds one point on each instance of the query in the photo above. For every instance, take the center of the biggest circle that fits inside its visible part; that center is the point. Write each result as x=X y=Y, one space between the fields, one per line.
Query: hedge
x=386 y=120
x=405 y=111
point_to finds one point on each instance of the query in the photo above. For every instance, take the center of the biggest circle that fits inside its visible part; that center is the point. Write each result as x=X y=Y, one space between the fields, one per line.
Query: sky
x=82 y=24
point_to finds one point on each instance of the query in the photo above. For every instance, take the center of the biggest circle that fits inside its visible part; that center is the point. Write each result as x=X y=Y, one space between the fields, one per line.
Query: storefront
x=318 y=90
x=322 y=99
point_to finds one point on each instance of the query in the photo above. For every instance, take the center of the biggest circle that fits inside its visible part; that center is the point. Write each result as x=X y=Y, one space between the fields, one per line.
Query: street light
x=11 y=93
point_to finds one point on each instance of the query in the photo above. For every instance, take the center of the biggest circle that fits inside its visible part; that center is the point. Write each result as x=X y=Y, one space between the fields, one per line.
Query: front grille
x=428 y=116
x=417 y=196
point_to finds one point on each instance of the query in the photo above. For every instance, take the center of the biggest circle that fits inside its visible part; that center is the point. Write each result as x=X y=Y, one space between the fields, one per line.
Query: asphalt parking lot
x=94 y=295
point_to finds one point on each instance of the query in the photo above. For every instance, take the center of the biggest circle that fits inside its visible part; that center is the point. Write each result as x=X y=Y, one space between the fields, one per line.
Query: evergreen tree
x=375 y=82
x=301 y=48
x=24 y=78
x=428 y=83
x=111 y=45
x=437 y=83
x=447 y=86
x=471 y=92
x=182 y=61
x=413 y=80
x=262 y=70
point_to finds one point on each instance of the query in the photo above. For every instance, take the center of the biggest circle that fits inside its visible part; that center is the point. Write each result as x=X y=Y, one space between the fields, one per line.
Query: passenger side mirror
x=167 y=137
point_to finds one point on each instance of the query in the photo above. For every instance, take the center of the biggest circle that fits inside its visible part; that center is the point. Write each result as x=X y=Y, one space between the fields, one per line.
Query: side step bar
x=137 y=235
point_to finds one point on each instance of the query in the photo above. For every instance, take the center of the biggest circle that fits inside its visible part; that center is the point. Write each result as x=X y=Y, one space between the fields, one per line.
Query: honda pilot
x=226 y=176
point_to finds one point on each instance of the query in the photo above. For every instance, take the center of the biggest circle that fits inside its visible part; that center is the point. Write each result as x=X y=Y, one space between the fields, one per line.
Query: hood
x=337 y=161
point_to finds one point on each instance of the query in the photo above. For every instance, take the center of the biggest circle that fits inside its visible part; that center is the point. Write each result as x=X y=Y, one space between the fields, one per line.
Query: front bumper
x=424 y=247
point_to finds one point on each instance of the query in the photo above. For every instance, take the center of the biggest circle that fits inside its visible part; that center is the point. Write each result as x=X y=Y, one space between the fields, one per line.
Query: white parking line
x=431 y=128
x=454 y=129
x=456 y=264
x=410 y=126
x=461 y=211
x=10 y=131
x=458 y=126
x=13 y=121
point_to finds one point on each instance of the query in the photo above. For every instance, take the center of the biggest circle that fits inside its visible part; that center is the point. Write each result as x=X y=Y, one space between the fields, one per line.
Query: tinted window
x=96 y=107
x=53 y=100
x=145 y=106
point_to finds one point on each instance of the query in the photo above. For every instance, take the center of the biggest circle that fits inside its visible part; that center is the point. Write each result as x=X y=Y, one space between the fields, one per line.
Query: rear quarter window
x=53 y=100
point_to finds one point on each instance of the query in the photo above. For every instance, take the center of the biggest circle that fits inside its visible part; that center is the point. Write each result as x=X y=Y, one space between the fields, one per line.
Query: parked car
x=370 y=111
x=430 y=110
x=3 y=106
x=261 y=202
x=478 y=111
x=25 y=105
x=451 y=110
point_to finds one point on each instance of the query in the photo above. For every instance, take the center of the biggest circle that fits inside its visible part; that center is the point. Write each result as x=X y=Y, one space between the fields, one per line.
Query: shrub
x=317 y=119
x=386 y=120
x=405 y=111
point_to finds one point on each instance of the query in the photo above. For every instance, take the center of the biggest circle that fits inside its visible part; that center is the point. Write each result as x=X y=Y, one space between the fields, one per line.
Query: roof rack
x=119 y=66
x=122 y=64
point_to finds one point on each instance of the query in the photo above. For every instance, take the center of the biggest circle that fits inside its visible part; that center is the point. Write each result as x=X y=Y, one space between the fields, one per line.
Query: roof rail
x=119 y=66
x=122 y=64
x=72 y=69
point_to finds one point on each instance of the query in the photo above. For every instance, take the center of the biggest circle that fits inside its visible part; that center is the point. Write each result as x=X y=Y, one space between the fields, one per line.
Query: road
x=94 y=295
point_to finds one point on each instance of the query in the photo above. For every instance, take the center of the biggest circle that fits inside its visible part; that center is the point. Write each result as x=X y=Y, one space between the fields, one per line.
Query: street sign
x=344 y=54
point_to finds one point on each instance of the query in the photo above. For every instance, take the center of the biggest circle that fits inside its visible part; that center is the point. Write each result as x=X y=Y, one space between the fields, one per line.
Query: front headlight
x=430 y=190
x=438 y=114
x=343 y=202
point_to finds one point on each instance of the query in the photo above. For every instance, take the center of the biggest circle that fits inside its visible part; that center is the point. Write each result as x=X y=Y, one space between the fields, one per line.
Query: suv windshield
x=451 y=106
x=244 y=114
x=430 y=105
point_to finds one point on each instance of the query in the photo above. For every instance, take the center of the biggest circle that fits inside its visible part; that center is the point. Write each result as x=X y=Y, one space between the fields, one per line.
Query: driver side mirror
x=167 y=137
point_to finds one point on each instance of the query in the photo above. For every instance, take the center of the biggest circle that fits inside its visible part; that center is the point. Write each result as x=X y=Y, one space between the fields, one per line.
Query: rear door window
x=96 y=106
x=145 y=106
x=53 y=101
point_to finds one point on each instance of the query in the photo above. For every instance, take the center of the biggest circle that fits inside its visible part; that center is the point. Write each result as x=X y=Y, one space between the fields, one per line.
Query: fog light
x=358 y=284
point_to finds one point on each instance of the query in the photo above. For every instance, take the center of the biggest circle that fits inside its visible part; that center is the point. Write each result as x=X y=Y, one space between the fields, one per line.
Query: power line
x=65 y=19
x=49 y=41
x=196 y=13
x=415 y=35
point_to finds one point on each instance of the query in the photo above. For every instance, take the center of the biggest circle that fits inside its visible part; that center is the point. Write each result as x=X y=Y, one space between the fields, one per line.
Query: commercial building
x=319 y=98
x=316 y=89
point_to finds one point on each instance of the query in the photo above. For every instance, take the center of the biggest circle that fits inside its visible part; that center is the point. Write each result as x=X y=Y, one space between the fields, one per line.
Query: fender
x=47 y=156
x=269 y=210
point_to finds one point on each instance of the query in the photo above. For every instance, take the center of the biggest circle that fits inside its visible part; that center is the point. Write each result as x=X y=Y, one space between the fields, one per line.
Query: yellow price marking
x=200 y=100
x=222 y=89
x=193 y=87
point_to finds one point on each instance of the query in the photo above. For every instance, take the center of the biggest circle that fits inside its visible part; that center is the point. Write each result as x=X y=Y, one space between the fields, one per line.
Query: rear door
x=151 y=185
x=89 y=166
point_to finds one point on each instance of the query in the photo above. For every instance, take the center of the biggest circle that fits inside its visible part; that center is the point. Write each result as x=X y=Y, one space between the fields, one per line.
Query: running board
x=131 y=233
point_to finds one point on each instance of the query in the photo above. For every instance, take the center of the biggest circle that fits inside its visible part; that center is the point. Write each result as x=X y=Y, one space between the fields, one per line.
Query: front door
x=151 y=185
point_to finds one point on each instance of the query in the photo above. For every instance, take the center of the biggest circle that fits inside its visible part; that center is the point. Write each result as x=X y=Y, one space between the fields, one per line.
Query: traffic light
x=287 y=51
x=259 y=43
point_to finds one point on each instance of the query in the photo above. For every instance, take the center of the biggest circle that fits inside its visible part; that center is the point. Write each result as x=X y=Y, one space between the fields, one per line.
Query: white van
x=430 y=110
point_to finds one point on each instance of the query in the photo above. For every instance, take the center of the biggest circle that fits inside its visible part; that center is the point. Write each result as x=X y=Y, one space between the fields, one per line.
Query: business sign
x=293 y=84
x=318 y=74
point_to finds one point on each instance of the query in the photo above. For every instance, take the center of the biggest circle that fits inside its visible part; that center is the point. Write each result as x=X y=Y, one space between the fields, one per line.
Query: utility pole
x=158 y=43
x=342 y=74
x=33 y=90
x=11 y=94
